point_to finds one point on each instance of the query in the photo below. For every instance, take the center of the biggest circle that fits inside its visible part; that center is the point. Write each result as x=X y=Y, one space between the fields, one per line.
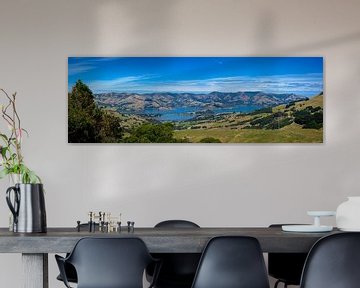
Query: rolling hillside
x=299 y=121
x=131 y=102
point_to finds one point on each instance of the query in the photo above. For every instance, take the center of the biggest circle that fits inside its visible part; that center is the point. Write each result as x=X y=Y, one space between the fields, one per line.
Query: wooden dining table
x=35 y=247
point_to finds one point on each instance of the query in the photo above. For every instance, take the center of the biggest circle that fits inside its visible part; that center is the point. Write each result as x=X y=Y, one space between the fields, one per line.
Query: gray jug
x=28 y=208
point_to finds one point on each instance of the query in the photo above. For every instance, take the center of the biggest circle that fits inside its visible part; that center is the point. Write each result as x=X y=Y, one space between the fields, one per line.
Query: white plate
x=306 y=228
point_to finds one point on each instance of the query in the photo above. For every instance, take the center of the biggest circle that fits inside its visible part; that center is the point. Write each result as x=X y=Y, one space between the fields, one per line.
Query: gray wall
x=214 y=185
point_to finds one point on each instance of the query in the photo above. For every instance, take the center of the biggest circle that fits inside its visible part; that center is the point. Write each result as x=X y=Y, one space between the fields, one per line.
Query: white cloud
x=306 y=84
x=122 y=84
x=77 y=68
x=86 y=65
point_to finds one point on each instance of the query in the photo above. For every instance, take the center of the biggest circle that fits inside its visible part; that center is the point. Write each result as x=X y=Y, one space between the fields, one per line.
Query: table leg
x=35 y=270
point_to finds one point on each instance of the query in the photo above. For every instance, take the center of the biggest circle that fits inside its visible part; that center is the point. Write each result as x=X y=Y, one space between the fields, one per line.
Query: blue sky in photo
x=298 y=75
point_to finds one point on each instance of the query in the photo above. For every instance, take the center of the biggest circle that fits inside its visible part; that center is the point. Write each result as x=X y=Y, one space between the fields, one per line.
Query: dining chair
x=178 y=269
x=232 y=262
x=333 y=262
x=286 y=267
x=70 y=271
x=108 y=263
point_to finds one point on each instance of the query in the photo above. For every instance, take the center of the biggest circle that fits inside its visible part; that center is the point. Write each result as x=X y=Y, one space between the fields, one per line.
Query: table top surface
x=158 y=240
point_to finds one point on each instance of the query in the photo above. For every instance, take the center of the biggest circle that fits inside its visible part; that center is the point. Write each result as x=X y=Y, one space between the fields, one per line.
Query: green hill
x=300 y=122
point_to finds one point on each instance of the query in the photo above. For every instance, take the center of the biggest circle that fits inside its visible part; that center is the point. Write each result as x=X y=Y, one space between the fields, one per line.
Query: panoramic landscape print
x=195 y=99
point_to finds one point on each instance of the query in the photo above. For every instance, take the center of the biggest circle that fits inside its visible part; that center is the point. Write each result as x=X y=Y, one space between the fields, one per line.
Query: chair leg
x=278 y=282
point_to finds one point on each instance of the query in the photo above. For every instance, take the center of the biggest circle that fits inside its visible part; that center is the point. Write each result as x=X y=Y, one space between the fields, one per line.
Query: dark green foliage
x=302 y=116
x=82 y=115
x=86 y=122
x=110 y=129
x=210 y=140
x=244 y=121
x=152 y=133
x=276 y=120
x=313 y=125
x=314 y=109
x=262 y=121
x=310 y=117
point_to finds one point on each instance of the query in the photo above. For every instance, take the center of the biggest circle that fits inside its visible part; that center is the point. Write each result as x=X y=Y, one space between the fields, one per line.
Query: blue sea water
x=187 y=113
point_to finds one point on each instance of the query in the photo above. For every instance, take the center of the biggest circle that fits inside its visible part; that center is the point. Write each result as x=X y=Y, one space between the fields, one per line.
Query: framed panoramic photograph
x=195 y=99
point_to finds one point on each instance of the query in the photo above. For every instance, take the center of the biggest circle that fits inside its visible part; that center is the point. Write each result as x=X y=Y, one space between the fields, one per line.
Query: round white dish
x=306 y=228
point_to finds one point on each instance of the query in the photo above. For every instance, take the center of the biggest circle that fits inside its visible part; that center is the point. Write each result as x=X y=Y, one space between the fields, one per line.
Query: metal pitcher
x=28 y=207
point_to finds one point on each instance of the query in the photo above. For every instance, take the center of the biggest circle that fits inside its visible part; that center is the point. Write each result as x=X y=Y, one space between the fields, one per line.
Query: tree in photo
x=86 y=122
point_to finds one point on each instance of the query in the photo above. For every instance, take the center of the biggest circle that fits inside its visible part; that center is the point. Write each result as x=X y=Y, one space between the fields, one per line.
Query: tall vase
x=27 y=204
x=348 y=214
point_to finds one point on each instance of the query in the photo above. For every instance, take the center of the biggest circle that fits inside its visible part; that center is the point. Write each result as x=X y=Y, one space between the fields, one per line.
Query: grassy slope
x=128 y=121
x=289 y=134
x=316 y=101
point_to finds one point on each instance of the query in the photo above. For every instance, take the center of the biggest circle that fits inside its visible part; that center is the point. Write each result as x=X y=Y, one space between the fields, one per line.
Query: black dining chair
x=333 y=262
x=286 y=267
x=178 y=269
x=108 y=263
x=232 y=262
x=70 y=271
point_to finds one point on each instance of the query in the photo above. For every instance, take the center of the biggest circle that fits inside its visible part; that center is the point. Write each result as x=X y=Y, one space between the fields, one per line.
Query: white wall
x=214 y=185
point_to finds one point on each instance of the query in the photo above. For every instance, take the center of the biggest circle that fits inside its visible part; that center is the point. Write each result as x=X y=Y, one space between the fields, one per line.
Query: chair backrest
x=232 y=262
x=110 y=262
x=178 y=269
x=333 y=262
x=176 y=224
